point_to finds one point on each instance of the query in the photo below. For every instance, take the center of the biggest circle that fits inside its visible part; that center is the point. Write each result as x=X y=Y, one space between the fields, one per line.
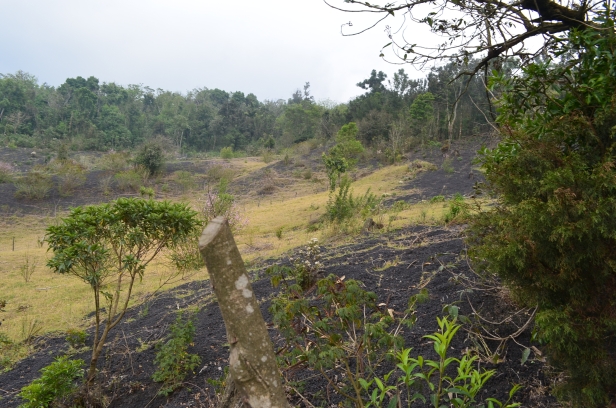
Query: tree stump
x=253 y=370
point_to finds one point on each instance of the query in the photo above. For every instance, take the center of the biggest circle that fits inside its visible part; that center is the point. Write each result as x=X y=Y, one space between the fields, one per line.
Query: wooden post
x=252 y=362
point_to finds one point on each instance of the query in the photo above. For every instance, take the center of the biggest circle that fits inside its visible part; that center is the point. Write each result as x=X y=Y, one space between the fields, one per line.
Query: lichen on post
x=252 y=362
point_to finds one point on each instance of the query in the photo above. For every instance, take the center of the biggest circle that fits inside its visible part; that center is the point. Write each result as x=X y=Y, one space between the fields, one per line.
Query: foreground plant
x=338 y=330
x=458 y=390
x=173 y=360
x=551 y=237
x=108 y=246
x=57 y=380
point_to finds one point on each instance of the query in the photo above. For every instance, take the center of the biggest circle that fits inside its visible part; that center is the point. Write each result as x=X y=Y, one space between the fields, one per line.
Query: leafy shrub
x=447 y=166
x=227 y=153
x=306 y=265
x=173 y=360
x=458 y=209
x=35 y=185
x=342 y=205
x=551 y=237
x=151 y=156
x=76 y=338
x=337 y=331
x=461 y=390
x=6 y=172
x=57 y=381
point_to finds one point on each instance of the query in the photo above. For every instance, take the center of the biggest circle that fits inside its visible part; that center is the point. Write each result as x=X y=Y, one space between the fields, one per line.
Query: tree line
x=89 y=115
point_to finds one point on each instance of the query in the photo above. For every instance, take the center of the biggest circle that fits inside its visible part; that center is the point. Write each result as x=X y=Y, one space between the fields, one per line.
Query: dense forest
x=88 y=115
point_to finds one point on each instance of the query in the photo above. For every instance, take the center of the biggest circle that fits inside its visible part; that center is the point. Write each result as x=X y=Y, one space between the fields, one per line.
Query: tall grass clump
x=6 y=172
x=35 y=185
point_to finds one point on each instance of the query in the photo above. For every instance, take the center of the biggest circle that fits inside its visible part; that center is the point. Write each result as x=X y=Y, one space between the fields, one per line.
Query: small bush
x=342 y=205
x=447 y=166
x=185 y=179
x=227 y=153
x=35 y=185
x=151 y=155
x=173 y=360
x=76 y=338
x=128 y=180
x=71 y=176
x=113 y=162
x=6 y=172
x=57 y=381
x=267 y=156
x=220 y=172
x=458 y=210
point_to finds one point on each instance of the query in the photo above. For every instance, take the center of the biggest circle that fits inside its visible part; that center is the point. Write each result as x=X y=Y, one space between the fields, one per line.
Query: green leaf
x=525 y=355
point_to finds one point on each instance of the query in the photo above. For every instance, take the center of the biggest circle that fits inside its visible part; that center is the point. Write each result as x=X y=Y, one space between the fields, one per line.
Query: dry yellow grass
x=58 y=302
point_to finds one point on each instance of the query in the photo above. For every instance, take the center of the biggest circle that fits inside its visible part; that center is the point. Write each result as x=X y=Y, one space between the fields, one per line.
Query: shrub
x=227 y=153
x=57 y=381
x=114 y=162
x=71 y=175
x=35 y=185
x=151 y=156
x=458 y=209
x=221 y=203
x=219 y=172
x=552 y=235
x=447 y=166
x=128 y=180
x=342 y=205
x=109 y=246
x=6 y=172
x=76 y=338
x=173 y=360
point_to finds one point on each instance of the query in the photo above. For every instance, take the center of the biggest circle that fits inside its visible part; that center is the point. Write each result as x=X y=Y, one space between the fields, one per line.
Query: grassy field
x=49 y=302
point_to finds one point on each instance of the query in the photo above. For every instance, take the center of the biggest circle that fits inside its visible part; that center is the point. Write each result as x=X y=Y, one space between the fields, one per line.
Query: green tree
x=343 y=155
x=552 y=235
x=109 y=246
x=151 y=155
x=421 y=115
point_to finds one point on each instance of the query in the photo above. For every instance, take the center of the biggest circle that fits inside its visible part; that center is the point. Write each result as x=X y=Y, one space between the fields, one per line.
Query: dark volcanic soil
x=430 y=257
x=394 y=265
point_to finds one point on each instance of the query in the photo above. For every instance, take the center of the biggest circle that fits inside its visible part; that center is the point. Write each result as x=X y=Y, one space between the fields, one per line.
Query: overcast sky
x=267 y=47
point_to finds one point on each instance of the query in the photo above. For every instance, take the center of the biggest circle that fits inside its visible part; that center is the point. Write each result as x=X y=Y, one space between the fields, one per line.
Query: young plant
x=76 y=338
x=342 y=205
x=109 y=246
x=460 y=389
x=338 y=331
x=172 y=359
x=26 y=269
x=57 y=380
